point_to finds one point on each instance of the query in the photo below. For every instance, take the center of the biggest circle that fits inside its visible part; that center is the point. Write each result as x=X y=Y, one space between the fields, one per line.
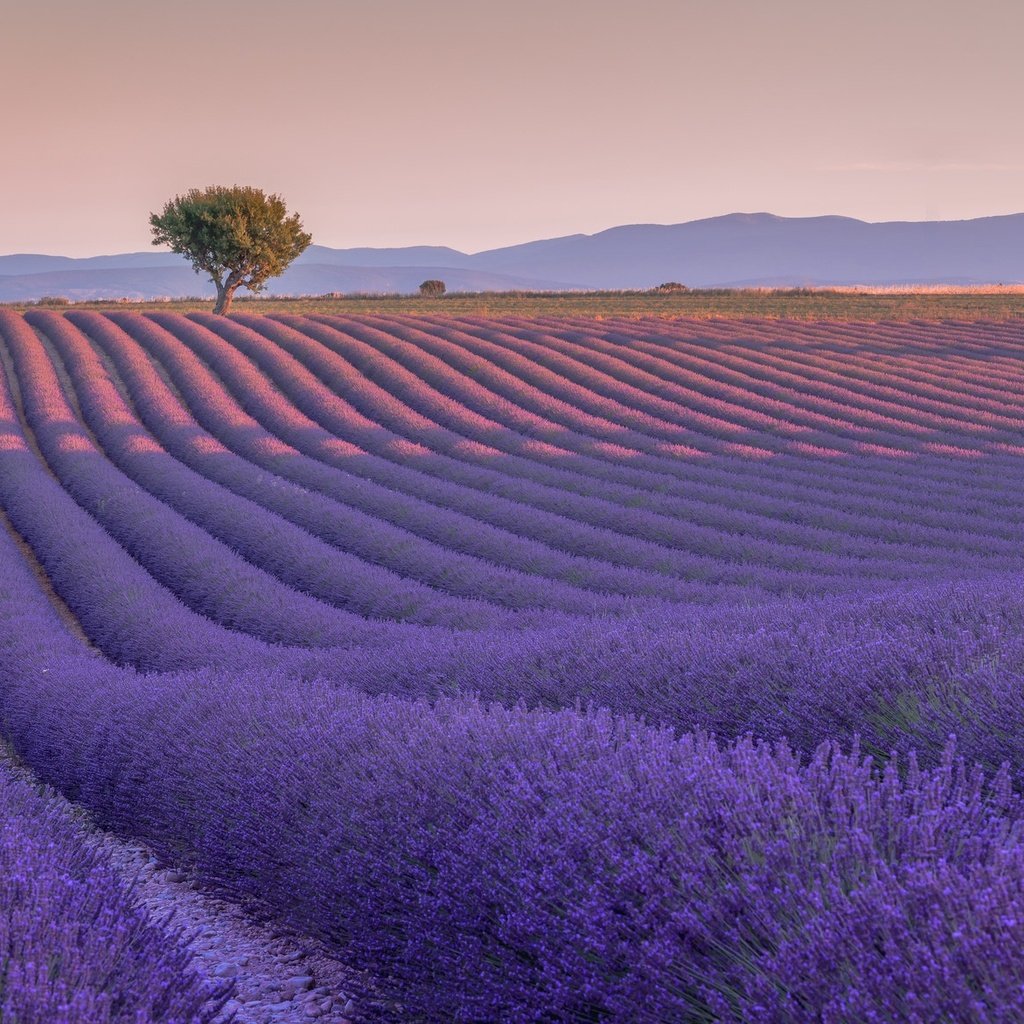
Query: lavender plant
x=75 y=947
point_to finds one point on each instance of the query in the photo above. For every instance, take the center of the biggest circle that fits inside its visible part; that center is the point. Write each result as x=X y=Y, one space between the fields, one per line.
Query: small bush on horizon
x=433 y=289
x=670 y=286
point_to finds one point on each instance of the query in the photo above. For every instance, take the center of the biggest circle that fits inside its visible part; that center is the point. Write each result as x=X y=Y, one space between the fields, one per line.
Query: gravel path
x=275 y=979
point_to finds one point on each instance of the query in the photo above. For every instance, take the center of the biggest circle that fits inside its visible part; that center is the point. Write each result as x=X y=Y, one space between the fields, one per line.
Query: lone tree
x=433 y=289
x=237 y=235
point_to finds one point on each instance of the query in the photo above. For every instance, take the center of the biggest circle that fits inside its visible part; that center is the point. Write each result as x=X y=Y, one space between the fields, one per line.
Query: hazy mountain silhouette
x=738 y=249
x=138 y=281
x=764 y=249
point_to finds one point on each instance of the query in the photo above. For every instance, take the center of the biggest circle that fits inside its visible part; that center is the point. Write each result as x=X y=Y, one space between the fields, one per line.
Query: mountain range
x=737 y=250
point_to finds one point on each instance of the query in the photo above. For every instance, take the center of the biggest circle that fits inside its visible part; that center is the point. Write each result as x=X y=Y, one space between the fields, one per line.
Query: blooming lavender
x=543 y=670
x=75 y=947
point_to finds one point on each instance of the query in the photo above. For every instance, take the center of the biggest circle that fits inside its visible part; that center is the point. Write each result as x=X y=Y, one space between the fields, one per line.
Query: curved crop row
x=421 y=472
x=724 y=498
x=121 y=608
x=771 y=545
x=262 y=537
x=828 y=376
x=429 y=843
x=74 y=944
x=782 y=568
x=757 y=373
x=202 y=572
x=531 y=819
x=343 y=472
x=288 y=492
x=736 y=469
x=931 y=478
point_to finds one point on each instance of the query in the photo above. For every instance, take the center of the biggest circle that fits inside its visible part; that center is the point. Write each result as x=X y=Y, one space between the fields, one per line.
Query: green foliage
x=433 y=289
x=238 y=235
x=669 y=287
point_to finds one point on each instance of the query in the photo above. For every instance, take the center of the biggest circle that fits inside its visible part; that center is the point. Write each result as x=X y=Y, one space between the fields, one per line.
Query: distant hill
x=135 y=280
x=740 y=250
x=753 y=249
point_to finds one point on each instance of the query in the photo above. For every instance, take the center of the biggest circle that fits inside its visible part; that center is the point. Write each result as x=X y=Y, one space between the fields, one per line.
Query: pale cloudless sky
x=475 y=123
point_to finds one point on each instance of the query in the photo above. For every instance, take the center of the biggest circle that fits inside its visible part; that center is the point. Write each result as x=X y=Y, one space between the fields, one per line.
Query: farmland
x=543 y=668
x=886 y=303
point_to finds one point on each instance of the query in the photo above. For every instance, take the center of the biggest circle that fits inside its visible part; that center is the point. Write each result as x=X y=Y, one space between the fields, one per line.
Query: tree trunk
x=225 y=293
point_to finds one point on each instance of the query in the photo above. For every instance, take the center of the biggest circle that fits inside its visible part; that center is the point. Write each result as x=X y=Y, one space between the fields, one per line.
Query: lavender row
x=848 y=380
x=370 y=484
x=931 y=480
x=556 y=413
x=429 y=842
x=943 y=370
x=262 y=537
x=609 y=386
x=569 y=689
x=357 y=515
x=610 y=376
x=561 y=413
x=740 y=365
x=633 y=525
x=375 y=352
x=901 y=670
x=756 y=671
x=797 y=374
x=601 y=389
x=290 y=360
x=543 y=348
x=870 y=388
x=75 y=946
x=118 y=605
x=203 y=573
x=513 y=389
x=419 y=474
x=381 y=405
x=898 y=377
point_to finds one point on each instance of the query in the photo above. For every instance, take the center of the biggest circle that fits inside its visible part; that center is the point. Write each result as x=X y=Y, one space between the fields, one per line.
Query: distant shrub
x=433 y=289
x=670 y=286
x=53 y=300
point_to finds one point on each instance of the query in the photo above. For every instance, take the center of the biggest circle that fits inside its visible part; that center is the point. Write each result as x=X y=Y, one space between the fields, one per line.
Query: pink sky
x=477 y=124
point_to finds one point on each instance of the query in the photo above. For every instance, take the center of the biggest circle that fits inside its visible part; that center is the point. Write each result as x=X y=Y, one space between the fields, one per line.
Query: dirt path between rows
x=278 y=978
x=67 y=616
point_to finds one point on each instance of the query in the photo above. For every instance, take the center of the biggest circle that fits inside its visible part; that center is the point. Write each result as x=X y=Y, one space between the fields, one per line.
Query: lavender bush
x=75 y=948
x=430 y=842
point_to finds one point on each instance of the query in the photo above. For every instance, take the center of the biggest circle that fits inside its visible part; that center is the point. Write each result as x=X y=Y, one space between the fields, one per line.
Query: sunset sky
x=479 y=124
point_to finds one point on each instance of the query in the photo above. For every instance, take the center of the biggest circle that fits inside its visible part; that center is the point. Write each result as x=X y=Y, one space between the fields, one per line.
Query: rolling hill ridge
x=737 y=250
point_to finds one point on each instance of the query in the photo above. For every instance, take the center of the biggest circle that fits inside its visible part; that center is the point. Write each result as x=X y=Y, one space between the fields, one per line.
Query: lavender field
x=539 y=670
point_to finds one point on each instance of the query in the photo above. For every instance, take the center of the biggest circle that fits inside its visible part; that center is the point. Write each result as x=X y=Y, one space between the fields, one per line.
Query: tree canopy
x=237 y=234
